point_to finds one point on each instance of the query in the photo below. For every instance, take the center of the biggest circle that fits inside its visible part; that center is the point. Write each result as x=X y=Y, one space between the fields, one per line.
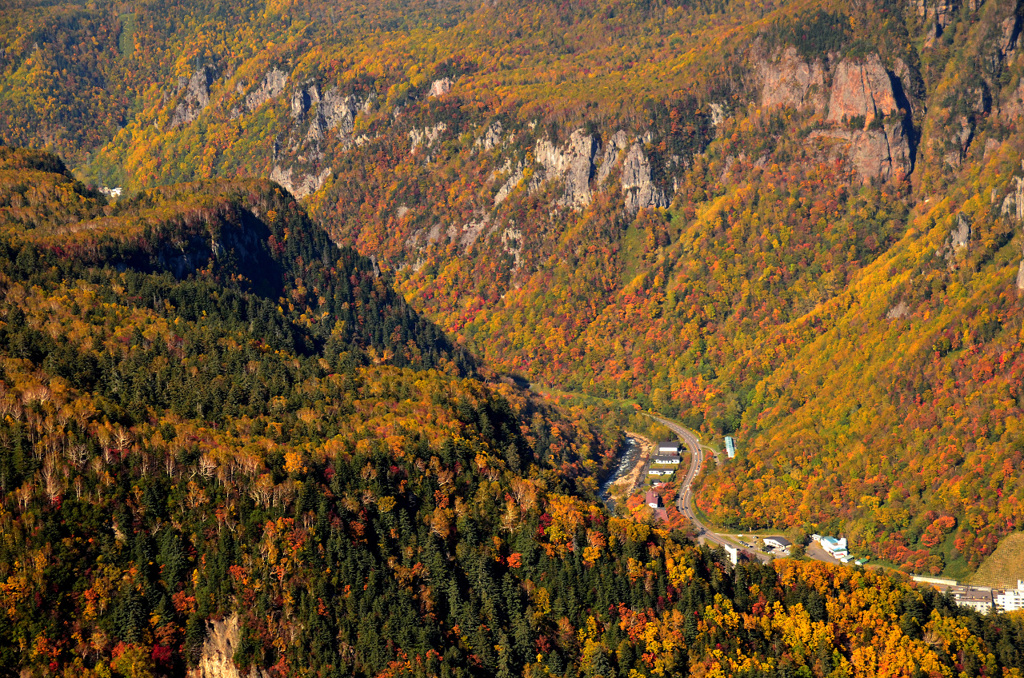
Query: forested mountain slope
x=796 y=222
x=195 y=475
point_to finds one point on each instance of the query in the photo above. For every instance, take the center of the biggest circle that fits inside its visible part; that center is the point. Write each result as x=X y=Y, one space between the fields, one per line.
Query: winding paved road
x=685 y=500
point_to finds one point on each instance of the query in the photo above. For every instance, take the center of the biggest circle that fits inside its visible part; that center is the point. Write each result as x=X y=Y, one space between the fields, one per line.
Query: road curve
x=685 y=500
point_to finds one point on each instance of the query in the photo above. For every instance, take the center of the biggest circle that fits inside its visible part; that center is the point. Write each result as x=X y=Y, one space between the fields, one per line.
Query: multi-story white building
x=1010 y=600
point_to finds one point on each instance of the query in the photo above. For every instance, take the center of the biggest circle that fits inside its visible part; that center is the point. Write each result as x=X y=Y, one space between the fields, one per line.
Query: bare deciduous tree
x=51 y=477
x=122 y=438
x=76 y=454
x=207 y=465
x=24 y=494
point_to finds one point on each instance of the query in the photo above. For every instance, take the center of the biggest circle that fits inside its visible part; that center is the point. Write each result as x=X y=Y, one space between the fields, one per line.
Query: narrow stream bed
x=627 y=458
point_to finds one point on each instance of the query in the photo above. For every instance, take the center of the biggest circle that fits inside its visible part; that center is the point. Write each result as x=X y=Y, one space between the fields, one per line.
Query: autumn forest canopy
x=268 y=401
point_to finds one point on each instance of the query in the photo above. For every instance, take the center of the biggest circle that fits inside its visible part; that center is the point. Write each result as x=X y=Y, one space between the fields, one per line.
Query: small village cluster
x=666 y=461
x=984 y=600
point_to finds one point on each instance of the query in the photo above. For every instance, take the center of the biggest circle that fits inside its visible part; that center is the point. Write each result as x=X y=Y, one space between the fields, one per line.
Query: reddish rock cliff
x=861 y=90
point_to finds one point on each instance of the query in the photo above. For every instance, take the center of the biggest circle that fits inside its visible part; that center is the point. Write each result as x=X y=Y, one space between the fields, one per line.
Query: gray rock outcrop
x=512 y=181
x=303 y=99
x=298 y=183
x=940 y=13
x=1013 y=203
x=427 y=136
x=897 y=311
x=957 y=240
x=960 y=234
x=1013 y=208
x=610 y=157
x=1009 y=34
x=491 y=138
x=440 y=87
x=1013 y=106
x=574 y=164
x=579 y=168
x=196 y=98
x=640 y=191
x=961 y=140
x=270 y=87
x=335 y=111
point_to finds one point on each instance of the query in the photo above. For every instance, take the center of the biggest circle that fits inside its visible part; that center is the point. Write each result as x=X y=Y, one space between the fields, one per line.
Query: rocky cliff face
x=882 y=154
x=335 y=111
x=298 y=183
x=861 y=90
x=303 y=98
x=216 y=660
x=514 y=176
x=491 y=138
x=1013 y=209
x=440 y=87
x=617 y=143
x=878 y=146
x=271 y=86
x=1013 y=203
x=579 y=169
x=940 y=13
x=957 y=241
x=427 y=136
x=640 y=191
x=573 y=164
x=788 y=80
x=862 y=95
x=1013 y=106
x=339 y=111
x=196 y=98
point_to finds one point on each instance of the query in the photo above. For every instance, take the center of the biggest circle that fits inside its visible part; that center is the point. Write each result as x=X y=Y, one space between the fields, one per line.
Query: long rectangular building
x=976 y=599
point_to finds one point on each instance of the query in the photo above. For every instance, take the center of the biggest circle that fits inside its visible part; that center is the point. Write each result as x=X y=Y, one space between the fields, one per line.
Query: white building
x=976 y=599
x=777 y=542
x=834 y=547
x=734 y=554
x=666 y=459
x=1010 y=600
x=668 y=446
